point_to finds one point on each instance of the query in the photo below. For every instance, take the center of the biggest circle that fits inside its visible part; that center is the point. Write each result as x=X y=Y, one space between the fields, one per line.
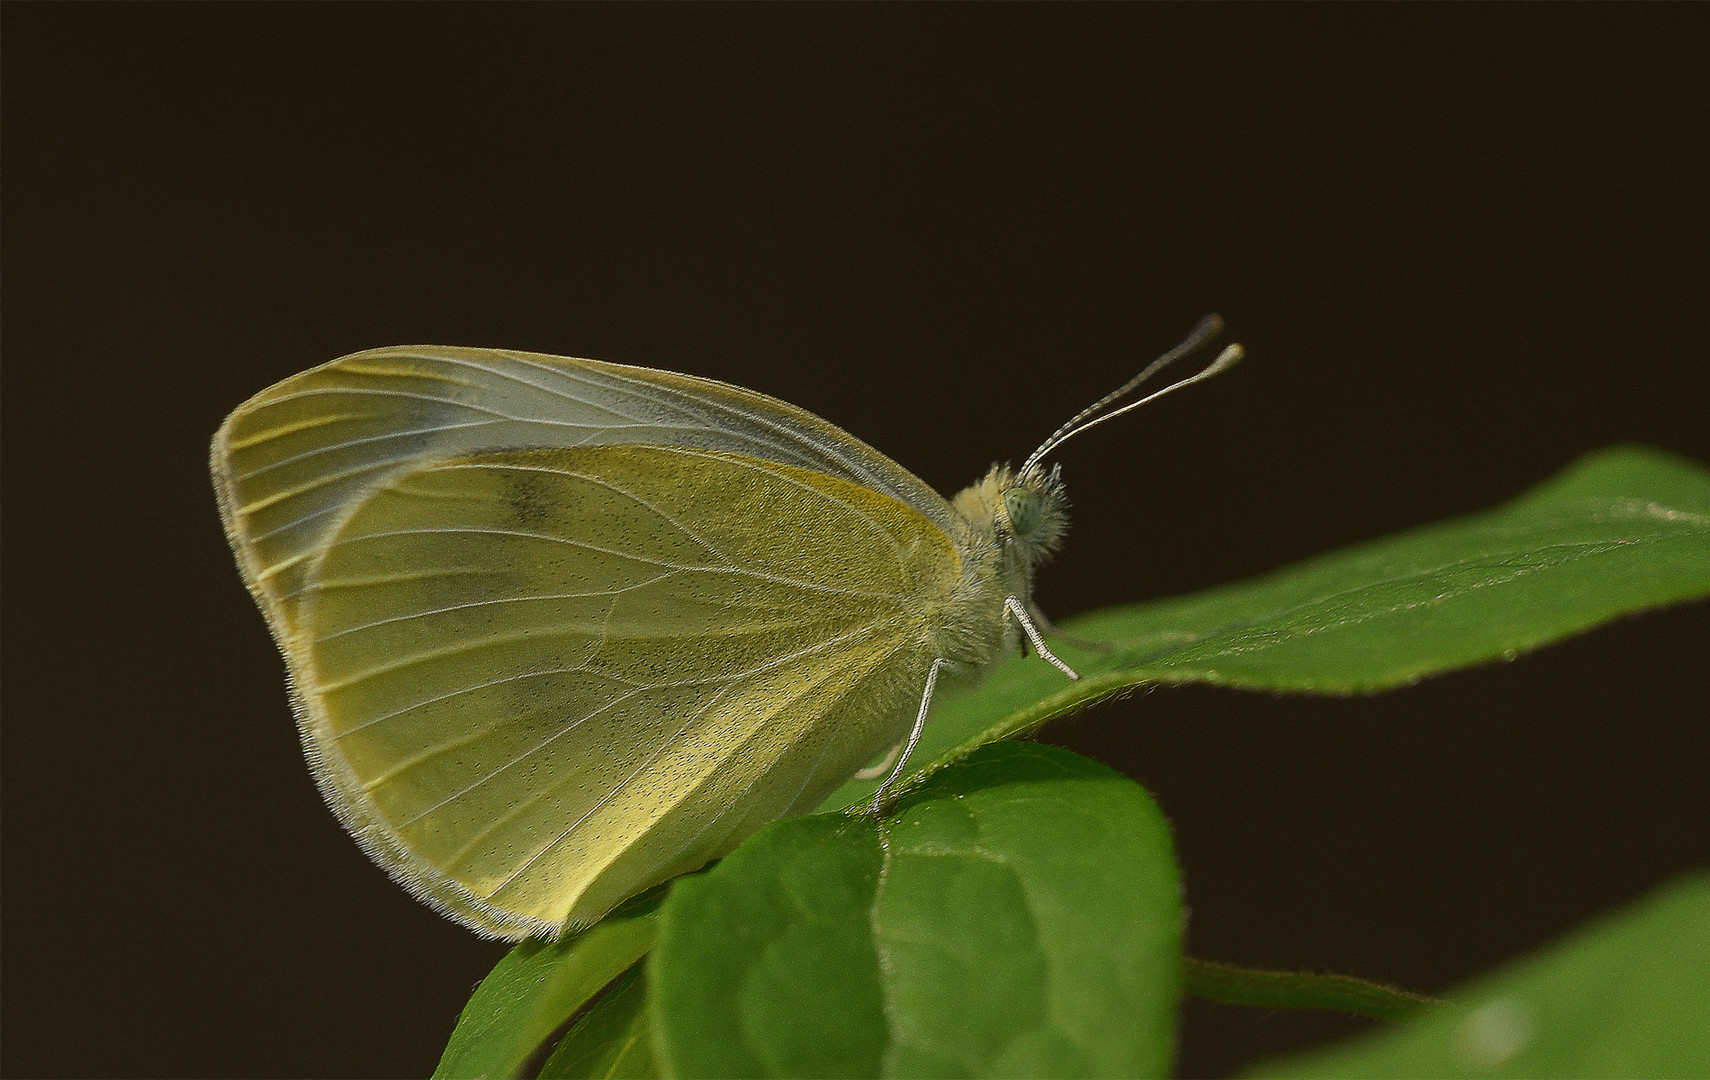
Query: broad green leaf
x=613 y=1040
x=1628 y=995
x=1017 y=915
x=1619 y=532
x=538 y=986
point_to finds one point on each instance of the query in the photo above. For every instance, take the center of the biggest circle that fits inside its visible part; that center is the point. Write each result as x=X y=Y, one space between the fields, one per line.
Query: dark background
x=1462 y=245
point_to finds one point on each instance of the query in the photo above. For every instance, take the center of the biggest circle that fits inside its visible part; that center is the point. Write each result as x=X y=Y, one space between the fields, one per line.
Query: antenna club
x=1231 y=355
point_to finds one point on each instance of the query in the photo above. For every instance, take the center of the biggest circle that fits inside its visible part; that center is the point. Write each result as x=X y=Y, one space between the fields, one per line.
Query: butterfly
x=559 y=630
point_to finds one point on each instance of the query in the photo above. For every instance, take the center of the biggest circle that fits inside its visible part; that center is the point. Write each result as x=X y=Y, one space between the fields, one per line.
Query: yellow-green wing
x=535 y=683
x=291 y=462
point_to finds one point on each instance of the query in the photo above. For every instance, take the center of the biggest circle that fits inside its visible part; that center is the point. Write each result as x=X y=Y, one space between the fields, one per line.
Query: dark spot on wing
x=531 y=496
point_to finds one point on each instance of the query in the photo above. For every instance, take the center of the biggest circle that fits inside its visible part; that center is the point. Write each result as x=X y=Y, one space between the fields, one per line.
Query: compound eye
x=1024 y=509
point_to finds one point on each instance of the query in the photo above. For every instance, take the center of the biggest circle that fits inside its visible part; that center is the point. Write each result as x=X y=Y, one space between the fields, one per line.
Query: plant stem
x=1233 y=985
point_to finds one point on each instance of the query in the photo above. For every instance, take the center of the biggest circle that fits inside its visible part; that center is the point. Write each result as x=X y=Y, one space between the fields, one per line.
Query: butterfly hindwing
x=536 y=682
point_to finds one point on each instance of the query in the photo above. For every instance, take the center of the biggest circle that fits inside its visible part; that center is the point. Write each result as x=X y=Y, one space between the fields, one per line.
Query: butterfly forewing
x=291 y=463
x=539 y=681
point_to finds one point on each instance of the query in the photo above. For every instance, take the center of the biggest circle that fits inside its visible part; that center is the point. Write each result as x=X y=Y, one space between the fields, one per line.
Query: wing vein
x=806 y=586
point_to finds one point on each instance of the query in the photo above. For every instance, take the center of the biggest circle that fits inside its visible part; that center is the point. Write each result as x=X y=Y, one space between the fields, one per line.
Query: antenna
x=1208 y=328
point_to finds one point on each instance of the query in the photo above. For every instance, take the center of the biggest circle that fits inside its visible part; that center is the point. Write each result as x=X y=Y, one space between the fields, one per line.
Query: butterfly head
x=1025 y=511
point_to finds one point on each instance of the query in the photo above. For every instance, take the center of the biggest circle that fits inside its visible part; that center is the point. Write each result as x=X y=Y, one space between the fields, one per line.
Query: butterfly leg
x=908 y=745
x=873 y=772
x=1014 y=608
x=1051 y=628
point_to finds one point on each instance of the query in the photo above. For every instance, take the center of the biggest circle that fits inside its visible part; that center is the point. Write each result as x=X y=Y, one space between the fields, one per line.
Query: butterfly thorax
x=1012 y=523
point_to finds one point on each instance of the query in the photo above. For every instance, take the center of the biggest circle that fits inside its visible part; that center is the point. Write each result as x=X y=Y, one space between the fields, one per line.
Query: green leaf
x=1627 y=996
x=613 y=1040
x=1017 y=915
x=538 y=986
x=1619 y=532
